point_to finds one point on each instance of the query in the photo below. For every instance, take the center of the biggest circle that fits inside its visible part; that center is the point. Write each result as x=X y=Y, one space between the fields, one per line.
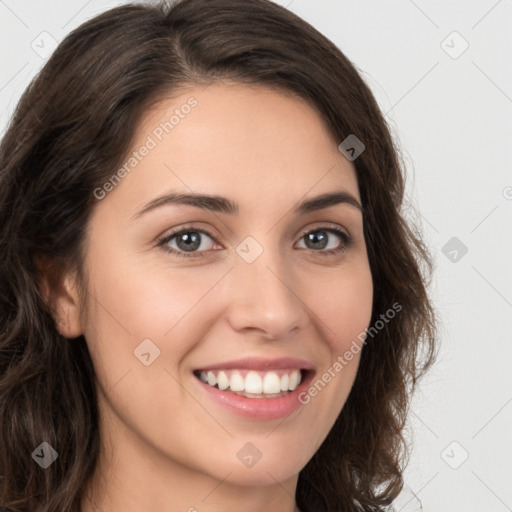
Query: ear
x=59 y=291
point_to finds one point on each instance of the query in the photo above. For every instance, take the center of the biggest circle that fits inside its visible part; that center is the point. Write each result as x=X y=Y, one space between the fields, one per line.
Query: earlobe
x=59 y=291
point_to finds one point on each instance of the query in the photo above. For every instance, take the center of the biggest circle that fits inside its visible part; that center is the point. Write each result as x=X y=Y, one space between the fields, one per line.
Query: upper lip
x=261 y=364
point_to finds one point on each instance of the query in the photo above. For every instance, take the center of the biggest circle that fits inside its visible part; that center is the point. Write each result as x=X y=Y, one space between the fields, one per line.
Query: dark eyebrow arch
x=223 y=205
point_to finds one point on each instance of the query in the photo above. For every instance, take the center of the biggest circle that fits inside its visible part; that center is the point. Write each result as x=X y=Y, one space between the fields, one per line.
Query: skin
x=165 y=444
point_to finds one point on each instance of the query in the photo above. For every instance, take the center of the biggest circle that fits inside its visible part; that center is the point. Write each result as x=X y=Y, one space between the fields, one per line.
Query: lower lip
x=259 y=408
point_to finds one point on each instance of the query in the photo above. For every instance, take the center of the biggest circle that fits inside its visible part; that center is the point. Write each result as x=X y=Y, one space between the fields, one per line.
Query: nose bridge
x=264 y=297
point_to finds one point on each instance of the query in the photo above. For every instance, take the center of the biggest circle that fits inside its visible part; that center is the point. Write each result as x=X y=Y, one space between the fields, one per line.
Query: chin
x=275 y=465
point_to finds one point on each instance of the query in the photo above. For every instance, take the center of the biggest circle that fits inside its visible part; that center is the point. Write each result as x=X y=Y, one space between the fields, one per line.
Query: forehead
x=251 y=143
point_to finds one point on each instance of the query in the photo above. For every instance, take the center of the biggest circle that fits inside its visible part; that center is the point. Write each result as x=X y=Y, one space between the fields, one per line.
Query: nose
x=265 y=296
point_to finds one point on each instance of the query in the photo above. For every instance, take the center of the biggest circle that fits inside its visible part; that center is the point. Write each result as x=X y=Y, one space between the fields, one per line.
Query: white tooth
x=212 y=380
x=253 y=383
x=284 y=382
x=294 y=380
x=203 y=377
x=236 y=383
x=271 y=383
x=222 y=380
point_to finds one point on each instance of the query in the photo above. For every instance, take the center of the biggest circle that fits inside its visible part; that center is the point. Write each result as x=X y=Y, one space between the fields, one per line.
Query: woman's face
x=251 y=296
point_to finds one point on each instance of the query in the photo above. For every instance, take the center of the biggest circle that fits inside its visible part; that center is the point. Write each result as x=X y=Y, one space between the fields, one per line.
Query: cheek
x=137 y=301
x=344 y=306
x=344 y=312
x=154 y=316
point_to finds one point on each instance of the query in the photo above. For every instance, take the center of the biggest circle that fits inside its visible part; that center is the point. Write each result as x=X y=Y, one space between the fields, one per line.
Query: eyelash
x=344 y=246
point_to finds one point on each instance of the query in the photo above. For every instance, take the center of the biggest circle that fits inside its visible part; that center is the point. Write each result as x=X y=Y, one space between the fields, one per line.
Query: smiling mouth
x=254 y=384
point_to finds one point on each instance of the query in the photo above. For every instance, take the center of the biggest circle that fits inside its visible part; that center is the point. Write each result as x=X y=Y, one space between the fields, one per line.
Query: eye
x=188 y=242
x=319 y=239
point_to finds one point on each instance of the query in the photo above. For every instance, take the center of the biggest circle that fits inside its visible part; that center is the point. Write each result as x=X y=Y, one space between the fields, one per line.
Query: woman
x=210 y=300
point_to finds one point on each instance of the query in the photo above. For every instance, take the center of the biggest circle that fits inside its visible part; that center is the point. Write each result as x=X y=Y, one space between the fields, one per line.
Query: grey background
x=451 y=111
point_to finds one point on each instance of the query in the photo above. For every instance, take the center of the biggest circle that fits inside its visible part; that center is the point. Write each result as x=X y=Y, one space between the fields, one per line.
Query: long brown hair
x=73 y=127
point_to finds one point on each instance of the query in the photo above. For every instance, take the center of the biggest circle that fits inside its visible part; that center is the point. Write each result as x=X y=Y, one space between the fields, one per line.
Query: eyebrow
x=223 y=205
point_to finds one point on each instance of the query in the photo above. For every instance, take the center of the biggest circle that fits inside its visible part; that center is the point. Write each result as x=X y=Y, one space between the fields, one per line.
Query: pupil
x=191 y=242
x=314 y=237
